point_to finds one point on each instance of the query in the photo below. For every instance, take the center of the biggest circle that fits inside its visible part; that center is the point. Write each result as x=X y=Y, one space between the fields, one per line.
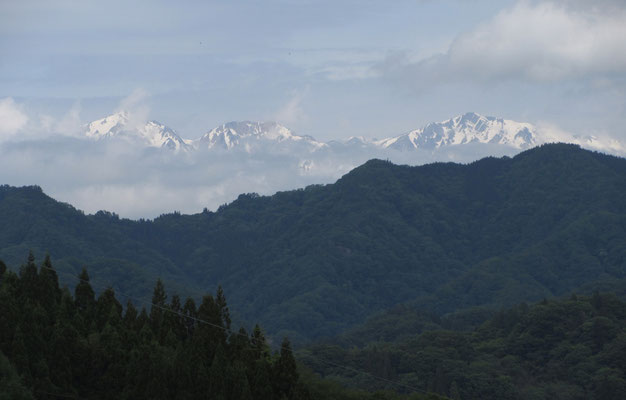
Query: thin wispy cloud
x=12 y=118
x=292 y=113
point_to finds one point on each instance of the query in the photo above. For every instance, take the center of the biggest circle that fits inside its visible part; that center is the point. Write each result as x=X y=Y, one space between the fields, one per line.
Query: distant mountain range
x=469 y=128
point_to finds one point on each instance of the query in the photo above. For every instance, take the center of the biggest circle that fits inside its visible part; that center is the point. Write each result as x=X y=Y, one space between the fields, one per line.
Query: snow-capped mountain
x=465 y=129
x=248 y=135
x=271 y=137
x=151 y=133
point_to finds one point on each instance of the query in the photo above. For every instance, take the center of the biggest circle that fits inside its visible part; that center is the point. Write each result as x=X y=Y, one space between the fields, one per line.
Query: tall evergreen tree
x=261 y=348
x=190 y=314
x=285 y=372
x=49 y=292
x=220 y=302
x=157 y=310
x=107 y=305
x=11 y=387
x=28 y=279
x=130 y=316
x=84 y=295
x=218 y=375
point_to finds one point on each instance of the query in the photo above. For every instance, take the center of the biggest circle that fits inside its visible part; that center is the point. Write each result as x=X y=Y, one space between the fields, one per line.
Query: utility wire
x=232 y=332
x=69 y=396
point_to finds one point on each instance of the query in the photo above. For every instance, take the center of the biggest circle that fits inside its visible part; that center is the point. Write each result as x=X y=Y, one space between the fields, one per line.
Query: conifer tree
x=19 y=353
x=220 y=301
x=107 y=305
x=190 y=313
x=175 y=320
x=259 y=344
x=84 y=295
x=157 y=310
x=261 y=381
x=143 y=320
x=49 y=293
x=218 y=375
x=240 y=384
x=10 y=386
x=285 y=373
x=209 y=333
x=130 y=316
x=28 y=279
x=9 y=310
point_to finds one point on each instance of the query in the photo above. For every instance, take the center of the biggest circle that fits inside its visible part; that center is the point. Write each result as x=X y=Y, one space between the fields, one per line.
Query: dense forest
x=57 y=345
x=309 y=263
x=573 y=348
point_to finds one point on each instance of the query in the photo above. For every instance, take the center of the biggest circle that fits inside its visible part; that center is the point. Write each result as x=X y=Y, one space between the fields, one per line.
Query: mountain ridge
x=442 y=237
x=469 y=128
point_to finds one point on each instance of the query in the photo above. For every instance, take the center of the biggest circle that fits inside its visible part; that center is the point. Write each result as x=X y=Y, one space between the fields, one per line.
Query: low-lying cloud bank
x=145 y=182
x=136 y=181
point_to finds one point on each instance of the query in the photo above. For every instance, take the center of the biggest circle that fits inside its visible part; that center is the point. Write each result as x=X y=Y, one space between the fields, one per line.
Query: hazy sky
x=331 y=69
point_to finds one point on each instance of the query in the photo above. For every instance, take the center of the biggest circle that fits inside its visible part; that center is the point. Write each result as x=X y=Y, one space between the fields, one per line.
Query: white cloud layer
x=292 y=113
x=536 y=41
x=146 y=182
x=12 y=118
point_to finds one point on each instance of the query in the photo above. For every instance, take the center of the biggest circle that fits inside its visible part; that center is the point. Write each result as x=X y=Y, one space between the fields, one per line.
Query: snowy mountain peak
x=246 y=134
x=464 y=129
x=268 y=137
x=108 y=126
x=151 y=133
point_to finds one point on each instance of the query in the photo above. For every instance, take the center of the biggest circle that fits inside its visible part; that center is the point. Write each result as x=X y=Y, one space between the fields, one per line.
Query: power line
x=232 y=332
x=68 y=396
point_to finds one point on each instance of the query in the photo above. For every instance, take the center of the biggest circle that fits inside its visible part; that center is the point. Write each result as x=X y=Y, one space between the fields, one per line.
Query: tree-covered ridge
x=572 y=348
x=57 y=345
x=313 y=262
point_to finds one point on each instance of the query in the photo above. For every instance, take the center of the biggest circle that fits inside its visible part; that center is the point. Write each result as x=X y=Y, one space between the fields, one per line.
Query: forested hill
x=311 y=262
x=56 y=345
x=573 y=348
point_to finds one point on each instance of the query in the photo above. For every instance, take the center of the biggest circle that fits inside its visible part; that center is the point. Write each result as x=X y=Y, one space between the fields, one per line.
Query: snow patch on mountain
x=151 y=133
x=465 y=129
x=248 y=135
x=271 y=137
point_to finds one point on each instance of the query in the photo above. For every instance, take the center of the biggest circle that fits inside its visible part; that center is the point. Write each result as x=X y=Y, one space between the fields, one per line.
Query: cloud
x=292 y=113
x=146 y=182
x=12 y=118
x=135 y=104
x=70 y=124
x=539 y=42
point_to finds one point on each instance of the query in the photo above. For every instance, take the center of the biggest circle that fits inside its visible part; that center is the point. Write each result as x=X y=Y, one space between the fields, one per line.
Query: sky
x=329 y=69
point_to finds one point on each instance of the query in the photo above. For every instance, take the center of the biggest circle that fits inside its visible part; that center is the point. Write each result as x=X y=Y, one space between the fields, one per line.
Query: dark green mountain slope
x=56 y=345
x=312 y=262
x=30 y=220
x=558 y=349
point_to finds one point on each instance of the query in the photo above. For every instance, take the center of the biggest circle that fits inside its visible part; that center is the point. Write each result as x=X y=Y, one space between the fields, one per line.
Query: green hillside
x=55 y=344
x=315 y=261
x=557 y=349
